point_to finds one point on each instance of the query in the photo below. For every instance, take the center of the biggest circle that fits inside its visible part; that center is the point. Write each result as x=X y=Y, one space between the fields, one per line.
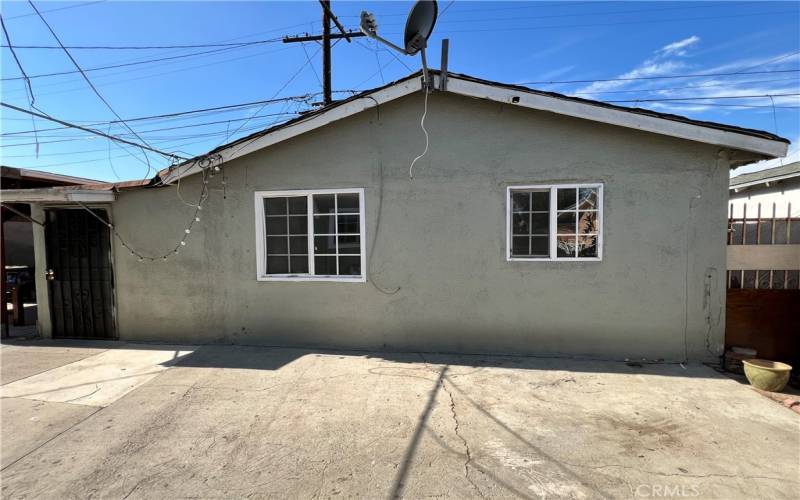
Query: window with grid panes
x=312 y=234
x=555 y=222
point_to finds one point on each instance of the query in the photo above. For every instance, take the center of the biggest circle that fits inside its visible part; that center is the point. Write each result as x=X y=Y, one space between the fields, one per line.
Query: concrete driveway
x=119 y=420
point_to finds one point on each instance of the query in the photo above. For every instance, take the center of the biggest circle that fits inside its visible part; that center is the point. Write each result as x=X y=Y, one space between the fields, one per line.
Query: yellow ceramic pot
x=766 y=375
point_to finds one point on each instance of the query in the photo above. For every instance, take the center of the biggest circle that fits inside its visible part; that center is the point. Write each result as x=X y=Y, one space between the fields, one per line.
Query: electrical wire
x=97 y=92
x=123 y=65
x=31 y=95
x=182 y=113
x=91 y=131
x=721 y=105
x=168 y=140
x=142 y=47
x=665 y=77
x=24 y=76
x=689 y=87
x=85 y=4
x=146 y=131
x=709 y=98
x=182 y=71
x=427 y=140
x=578 y=14
x=620 y=23
x=286 y=84
x=207 y=165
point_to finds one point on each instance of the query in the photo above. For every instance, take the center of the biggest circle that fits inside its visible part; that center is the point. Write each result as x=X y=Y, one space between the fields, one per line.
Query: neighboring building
x=535 y=223
x=16 y=248
x=764 y=229
x=763 y=297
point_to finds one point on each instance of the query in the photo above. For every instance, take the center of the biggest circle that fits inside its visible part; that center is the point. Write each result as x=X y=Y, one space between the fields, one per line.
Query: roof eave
x=55 y=195
x=764 y=181
x=755 y=145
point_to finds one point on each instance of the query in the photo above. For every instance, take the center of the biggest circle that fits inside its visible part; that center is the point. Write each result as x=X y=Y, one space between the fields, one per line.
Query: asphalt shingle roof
x=791 y=169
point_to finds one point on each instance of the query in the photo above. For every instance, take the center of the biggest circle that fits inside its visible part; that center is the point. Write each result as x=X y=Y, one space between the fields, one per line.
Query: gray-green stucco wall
x=658 y=292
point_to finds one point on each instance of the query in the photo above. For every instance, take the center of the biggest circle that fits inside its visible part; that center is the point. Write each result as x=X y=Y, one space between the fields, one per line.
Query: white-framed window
x=554 y=222
x=310 y=235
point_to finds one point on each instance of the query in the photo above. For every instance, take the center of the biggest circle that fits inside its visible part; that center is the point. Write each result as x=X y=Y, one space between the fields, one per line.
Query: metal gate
x=79 y=274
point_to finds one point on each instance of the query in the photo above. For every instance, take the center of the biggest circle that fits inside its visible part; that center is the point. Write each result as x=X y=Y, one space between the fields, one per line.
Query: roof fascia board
x=48 y=195
x=47 y=176
x=765 y=181
x=344 y=110
x=618 y=117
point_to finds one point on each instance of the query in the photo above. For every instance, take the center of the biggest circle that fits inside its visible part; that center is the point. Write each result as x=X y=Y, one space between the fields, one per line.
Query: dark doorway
x=79 y=274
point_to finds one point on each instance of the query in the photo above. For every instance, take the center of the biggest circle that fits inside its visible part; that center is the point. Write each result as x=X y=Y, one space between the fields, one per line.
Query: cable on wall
x=371 y=253
x=425 y=131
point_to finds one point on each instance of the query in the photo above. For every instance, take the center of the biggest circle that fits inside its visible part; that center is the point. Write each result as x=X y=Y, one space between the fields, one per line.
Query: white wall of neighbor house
x=438 y=278
x=784 y=197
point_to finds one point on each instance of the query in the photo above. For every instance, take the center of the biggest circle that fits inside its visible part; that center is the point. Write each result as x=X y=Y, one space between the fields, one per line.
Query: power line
x=144 y=77
x=630 y=79
x=97 y=92
x=708 y=98
x=91 y=131
x=19 y=64
x=170 y=140
x=289 y=81
x=31 y=95
x=531 y=5
x=725 y=84
x=85 y=4
x=134 y=63
x=183 y=113
x=721 y=105
x=177 y=115
x=194 y=125
x=141 y=47
x=581 y=14
x=620 y=23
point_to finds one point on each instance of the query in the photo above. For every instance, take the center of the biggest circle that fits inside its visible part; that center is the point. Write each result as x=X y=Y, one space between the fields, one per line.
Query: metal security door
x=79 y=274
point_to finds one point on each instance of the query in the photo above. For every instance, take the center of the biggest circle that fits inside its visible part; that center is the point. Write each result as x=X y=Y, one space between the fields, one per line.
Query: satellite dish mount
x=419 y=27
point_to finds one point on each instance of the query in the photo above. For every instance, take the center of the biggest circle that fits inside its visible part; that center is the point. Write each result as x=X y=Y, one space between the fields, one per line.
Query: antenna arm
x=384 y=41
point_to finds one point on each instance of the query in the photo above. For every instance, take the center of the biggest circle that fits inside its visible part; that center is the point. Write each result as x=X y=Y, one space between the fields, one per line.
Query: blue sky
x=514 y=42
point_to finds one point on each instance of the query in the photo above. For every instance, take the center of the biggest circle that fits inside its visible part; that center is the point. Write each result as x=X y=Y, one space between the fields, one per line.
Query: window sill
x=548 y=259
x=341 y=279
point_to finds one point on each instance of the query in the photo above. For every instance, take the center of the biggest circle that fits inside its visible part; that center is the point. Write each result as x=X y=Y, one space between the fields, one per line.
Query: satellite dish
x=419 y=27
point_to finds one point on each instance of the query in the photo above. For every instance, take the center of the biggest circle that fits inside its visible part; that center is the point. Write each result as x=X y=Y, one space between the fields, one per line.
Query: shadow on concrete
x=411 y=449
x=261 y=357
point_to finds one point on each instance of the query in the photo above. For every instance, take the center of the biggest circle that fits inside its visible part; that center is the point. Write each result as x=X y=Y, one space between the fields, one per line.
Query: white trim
x=603 y=114
x=52 y=195
x=260 y=220
x=514 y=97
x=552 y=226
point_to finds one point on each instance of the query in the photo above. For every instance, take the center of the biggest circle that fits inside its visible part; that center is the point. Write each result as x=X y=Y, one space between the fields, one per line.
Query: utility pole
x=326 y=51
x=325 y=38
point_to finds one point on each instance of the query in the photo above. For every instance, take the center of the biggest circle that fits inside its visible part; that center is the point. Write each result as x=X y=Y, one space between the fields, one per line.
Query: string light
x=208 y=166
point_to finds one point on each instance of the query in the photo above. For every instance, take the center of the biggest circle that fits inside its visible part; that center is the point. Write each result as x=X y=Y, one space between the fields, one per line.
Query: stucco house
x=535 y=223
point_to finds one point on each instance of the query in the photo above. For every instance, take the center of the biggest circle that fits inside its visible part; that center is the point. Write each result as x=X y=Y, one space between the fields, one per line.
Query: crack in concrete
x=467 y=450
